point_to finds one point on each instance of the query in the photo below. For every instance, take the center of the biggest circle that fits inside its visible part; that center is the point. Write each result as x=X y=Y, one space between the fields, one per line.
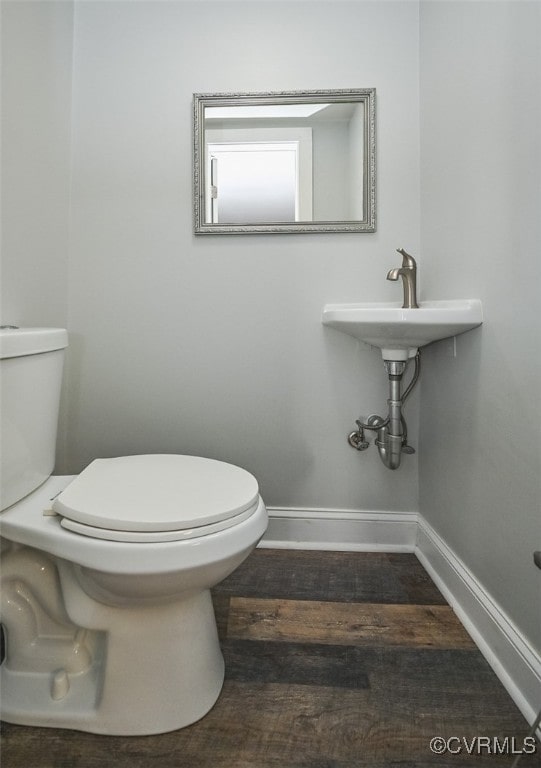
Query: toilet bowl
x=106 y=581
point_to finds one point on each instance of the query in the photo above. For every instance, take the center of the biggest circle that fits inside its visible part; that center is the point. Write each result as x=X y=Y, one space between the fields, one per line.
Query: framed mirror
x=294 y=161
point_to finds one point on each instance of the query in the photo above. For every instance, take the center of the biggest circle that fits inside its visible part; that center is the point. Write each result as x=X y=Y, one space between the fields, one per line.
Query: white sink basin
x=400 y=332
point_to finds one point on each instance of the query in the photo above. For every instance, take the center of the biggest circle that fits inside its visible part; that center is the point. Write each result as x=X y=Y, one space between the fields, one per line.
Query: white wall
x=36 y=120
x=480 y=443
x=214 y=345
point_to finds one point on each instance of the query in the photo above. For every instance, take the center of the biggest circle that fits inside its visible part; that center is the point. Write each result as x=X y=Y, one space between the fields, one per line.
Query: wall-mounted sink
x=400 y=332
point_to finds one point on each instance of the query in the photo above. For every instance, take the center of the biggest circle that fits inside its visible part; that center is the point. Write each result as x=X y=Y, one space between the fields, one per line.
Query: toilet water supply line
x=392 y=437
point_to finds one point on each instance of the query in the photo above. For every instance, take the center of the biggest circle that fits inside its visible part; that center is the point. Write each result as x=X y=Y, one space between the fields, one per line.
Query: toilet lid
x=157 y=493
x=142 y=537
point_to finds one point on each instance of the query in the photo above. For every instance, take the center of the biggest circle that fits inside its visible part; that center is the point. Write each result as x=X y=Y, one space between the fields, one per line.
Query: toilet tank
x=31 y=362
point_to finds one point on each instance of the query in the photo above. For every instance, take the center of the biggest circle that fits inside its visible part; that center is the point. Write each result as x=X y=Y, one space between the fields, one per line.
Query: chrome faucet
x=408 y=273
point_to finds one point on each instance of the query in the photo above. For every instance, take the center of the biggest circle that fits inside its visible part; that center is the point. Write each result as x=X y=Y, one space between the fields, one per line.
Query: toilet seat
x=157 y=497
x=155 y=536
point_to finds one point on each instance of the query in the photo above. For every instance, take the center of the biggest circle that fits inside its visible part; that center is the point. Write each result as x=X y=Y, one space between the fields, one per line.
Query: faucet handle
x=407 y=260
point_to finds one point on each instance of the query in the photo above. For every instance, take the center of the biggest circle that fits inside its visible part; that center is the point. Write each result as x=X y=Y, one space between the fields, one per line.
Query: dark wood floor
x=333 y=660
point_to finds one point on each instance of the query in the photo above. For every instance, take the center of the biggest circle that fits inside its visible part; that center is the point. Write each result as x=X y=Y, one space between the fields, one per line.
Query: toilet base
x=139 y=683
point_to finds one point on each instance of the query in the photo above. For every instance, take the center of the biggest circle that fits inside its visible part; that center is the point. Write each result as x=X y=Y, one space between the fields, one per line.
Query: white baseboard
x=513 y=660
x=339 y=529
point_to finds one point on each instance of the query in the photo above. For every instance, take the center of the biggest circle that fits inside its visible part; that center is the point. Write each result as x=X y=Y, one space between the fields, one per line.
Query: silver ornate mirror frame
x=367 y=175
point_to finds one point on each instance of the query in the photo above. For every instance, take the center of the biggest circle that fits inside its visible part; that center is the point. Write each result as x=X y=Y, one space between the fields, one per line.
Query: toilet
x=106 y=576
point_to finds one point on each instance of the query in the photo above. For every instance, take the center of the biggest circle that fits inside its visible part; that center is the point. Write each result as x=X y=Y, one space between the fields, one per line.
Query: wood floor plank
x=368 y=624
x=334 y=576
x=295 y=663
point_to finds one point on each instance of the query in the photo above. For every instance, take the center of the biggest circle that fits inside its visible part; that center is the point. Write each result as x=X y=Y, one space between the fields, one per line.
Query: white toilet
x=106 y=576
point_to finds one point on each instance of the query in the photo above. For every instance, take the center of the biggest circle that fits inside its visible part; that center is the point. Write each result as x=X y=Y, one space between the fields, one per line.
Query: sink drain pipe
x=392 y=432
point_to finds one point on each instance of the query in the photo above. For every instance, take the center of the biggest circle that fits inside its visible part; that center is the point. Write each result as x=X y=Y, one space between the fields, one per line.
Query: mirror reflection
x=288 y=162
